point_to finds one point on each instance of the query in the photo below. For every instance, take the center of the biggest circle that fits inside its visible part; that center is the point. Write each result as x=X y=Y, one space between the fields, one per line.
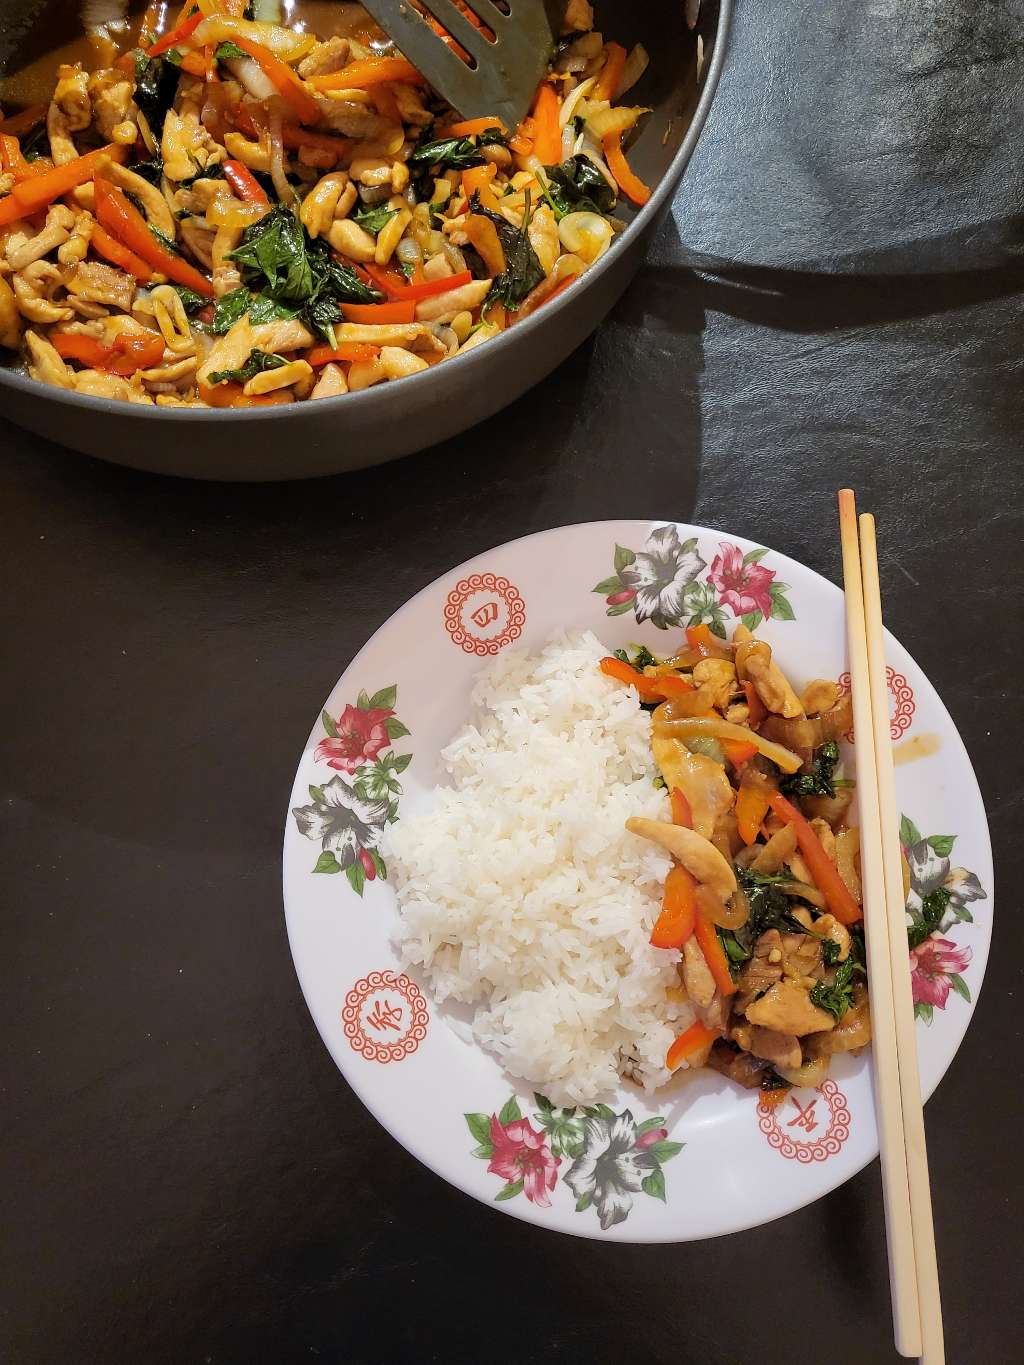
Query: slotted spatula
x=499 y=75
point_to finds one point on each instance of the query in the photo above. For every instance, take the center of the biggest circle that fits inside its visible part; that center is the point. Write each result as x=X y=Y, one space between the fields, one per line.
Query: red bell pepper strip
x=682 y=813
x=388 y=281
x=40 y=190
x=819 y=864
x=244 y=183
x=117 y=254
x=678 y=916
x=348 y=352
x=714 y=955
x=178 y=34
x=283 y=79
x=128 y=352
x=123 y=220
x=403 y=310
x=694 y=1040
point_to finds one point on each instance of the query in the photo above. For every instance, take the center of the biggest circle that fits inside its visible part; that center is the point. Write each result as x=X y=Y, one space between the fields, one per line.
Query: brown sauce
x=109 y=27
x=918 y=746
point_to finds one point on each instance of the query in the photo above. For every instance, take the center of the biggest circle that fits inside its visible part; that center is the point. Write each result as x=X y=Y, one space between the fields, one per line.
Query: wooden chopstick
x=933 y=1352
x=888 y=1098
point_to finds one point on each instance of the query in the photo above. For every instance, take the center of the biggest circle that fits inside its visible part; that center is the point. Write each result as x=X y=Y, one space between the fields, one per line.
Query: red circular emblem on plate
x=901 y=707
x=484 y=613
x=385 y=1017
x=825 y=1113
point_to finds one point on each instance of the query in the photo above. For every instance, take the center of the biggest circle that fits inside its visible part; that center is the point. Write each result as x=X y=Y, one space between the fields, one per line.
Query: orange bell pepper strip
x=361 y=75
x=196 y=64
x=611 y=73
x=483 y=235
x=477 y=180
x=751 y=808
x=626 y=673
x=40 y=190
x=699 y=640
x=672 y=686
x=178 y=34
x=470 y=127
x=294 y=136
x=123 y=220
x=559 y=289
x=714 y=955
x=117 y=254
x=547 y=144
x=755 y=705
x=682 y=813
x=695 y=1039
x=128 y=352
x=283 y=79
x=24 y=120
x=388 y=280
x=232 y=396
x=402 y=310
x=347 y=352
x=244 y=183
x=630 y=184
x=819 y=864
x=738 y=751
x=678 y=915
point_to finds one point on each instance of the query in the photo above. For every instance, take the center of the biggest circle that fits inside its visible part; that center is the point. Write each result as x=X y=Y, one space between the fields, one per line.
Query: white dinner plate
x=700 y=1157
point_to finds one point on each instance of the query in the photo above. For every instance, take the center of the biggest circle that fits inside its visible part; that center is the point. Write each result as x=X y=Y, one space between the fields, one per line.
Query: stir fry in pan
x=763 y=900
x=237 y=213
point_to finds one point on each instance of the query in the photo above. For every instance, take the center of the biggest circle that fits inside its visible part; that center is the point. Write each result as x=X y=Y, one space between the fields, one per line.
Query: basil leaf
x=190 y=300
x=373 y=219
x=577 y=186
x=258 y=362
x=228 y=51
x=523 y=271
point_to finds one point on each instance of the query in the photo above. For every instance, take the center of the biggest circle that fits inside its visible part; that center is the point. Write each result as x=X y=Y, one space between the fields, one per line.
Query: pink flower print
x=742 y=587
x=522 y=1153
x=361 y=736
x=932 y=964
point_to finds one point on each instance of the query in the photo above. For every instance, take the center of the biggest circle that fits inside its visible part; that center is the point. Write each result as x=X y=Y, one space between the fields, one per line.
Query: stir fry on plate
x=236 y=213
x=763 y=899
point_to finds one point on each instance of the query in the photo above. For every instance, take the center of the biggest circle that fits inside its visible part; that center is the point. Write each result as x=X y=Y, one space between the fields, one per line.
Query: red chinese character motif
x=391 y=1006
x=384 y=1014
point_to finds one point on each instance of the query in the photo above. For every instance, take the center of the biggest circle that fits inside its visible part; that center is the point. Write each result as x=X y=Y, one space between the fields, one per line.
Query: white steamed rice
x=522 y=894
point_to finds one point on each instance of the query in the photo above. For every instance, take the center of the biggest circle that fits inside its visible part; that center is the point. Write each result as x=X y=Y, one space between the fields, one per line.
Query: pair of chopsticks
x=913 y=1270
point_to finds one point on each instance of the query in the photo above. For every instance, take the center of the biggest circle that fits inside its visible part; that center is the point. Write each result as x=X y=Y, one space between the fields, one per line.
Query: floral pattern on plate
x=938 y=899
x=347 y=815
x=611 y=1156
x=665 y=583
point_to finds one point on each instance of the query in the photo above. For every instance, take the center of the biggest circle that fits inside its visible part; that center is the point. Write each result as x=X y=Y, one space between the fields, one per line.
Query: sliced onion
x=285 y=43
x=277 y=173
x=569 y=105
x=636 y=64
x=251 y=76
x=227 y=211
x=603 y=122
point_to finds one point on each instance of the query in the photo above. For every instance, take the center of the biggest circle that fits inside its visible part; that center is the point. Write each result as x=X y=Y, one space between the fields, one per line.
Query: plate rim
x=623 y=1233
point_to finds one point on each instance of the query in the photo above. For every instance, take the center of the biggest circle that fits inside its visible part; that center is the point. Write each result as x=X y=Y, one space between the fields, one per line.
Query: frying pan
x=327 y=436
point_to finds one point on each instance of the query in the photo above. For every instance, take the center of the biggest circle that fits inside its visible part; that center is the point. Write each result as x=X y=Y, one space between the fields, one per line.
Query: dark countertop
x=187 y=1178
